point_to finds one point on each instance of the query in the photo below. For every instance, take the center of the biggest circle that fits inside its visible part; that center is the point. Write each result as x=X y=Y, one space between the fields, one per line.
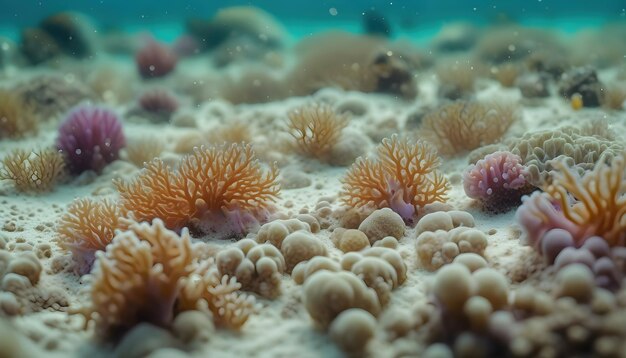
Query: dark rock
x=69 y=33
x=38 y=46
x=394 y=76
x=584 y=81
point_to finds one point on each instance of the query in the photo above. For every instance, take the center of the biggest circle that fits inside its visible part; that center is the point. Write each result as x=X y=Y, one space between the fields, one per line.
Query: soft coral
x=215 y=189
x=404 y=178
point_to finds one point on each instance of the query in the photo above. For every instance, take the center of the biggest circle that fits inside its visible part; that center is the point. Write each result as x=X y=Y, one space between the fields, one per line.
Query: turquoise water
x=165 y=20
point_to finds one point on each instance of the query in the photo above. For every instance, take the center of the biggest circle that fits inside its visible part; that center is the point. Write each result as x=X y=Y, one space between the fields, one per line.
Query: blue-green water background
x=166 y=18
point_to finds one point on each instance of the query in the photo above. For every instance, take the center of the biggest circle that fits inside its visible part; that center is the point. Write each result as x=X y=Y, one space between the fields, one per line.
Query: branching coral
x=87 y=227
x=214 y=189
x=403 y=178
x=16 y=118
x=591 y=205
x=463 y=126
x=32 y=171
x=149 y=274
x=316 y=129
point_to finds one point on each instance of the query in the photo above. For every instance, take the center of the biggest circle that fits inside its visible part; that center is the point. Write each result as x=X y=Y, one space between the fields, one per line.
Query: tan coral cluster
x=20 y=275
x=294 y=240
x=257 y=267
x=442 y=236
x=346 y=297
x=149 y=274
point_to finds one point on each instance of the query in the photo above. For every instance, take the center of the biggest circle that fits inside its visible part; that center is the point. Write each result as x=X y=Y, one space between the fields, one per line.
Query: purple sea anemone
x=498 y=181
x=155 y=60
x=90 y=138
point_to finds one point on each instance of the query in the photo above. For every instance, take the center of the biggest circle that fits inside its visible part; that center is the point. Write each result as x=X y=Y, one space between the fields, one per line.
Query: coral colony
x=238 y=192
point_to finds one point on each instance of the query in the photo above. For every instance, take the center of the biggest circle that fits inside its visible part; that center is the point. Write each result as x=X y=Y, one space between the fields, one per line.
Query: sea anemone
x=221 y=189
x=498 y=181
x=90 y=138
x=404 y=178
x=155 y=60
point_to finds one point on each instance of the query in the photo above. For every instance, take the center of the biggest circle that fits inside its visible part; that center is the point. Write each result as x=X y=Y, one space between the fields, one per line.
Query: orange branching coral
x=149 y=274
x=464 y=125
x=138 y=279
x=16 y=118
x=32 y=171
x=88 y=227
x=316 y=129
x=404 y=178
x=599 y=207
x=220 y=189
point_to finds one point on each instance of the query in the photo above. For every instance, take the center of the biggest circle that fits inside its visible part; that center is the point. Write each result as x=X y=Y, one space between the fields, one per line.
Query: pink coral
x=498 y=180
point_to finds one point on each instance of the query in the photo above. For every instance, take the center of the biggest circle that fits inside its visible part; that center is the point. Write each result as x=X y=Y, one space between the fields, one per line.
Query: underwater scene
x=310 y=179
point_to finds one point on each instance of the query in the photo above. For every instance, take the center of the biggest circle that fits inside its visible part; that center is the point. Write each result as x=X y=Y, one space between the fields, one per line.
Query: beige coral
x=316 y=129
x=16 y=118
x=258 y=267
x=440 y=239
x=148 y=274
x=463 y=126
x=33 y=171
x=382 y=269
x=327 y=294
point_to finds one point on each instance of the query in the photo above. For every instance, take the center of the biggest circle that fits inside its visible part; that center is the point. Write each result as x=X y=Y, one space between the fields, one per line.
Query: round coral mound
x=498 y=181
x=90 y=138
